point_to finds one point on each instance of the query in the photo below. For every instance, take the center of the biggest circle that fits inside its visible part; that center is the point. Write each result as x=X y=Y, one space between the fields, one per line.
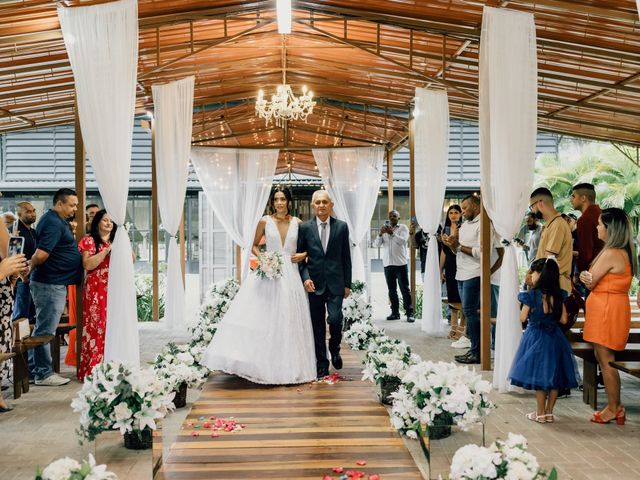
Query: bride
x=266 y=335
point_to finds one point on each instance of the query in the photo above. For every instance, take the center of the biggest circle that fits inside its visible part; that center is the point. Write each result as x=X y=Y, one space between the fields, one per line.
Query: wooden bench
x=584 y=351
x=62 y=330
x=632 y=368
x=21 y=362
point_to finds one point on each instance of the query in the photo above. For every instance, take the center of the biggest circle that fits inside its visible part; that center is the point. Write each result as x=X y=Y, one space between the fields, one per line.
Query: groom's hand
x=347 y=291
x=309 y=286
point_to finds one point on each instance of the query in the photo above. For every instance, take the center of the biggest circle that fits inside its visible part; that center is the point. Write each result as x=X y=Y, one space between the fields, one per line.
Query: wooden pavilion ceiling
x=362 y=60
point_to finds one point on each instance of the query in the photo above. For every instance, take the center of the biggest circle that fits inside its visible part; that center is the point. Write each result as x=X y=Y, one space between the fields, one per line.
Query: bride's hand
x=298 y=257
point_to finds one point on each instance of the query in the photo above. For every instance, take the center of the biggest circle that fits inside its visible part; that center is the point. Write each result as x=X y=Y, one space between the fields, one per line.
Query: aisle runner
x=300 y=432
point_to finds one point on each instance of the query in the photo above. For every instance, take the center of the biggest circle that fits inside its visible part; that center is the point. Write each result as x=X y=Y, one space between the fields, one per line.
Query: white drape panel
x=431 y=154
x=352 y=177
x=508 y=122
x=102 y=44
x=237 y=183
x=638 y=3
x=173 y=104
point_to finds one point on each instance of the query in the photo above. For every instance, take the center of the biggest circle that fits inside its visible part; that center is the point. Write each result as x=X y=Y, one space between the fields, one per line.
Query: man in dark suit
x=327 y=277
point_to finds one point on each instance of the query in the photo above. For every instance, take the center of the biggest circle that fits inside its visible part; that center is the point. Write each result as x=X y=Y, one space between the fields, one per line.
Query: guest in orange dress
x=608 y=312
x=95 y=249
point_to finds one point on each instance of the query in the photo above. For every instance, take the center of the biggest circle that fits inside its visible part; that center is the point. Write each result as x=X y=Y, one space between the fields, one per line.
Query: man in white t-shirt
x=467 y=247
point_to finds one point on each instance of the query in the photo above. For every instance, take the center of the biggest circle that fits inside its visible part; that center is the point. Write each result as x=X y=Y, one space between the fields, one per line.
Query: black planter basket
x=441 y=427
x=180 y=400
x=388 y=385
x=138 y=439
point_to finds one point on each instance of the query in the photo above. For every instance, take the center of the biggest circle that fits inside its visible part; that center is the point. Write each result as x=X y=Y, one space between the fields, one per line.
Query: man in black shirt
x=23 y=305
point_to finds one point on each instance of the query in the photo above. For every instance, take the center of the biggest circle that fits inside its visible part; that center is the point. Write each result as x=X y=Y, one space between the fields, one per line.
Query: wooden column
x=81 y=191
x=485 y=290
x=155 y=248
x=390 y=179
x=183 y=250
x=238 y=263
x=412 y=204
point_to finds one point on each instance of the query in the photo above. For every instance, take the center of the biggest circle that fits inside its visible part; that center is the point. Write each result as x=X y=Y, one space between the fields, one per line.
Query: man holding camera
x=393 y=238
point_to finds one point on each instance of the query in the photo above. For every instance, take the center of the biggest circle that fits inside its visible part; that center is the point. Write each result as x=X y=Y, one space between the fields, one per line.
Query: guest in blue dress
x=544 y=360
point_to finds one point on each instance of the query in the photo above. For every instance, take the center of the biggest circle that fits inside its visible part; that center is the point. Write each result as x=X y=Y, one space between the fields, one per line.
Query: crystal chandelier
x=284 y=105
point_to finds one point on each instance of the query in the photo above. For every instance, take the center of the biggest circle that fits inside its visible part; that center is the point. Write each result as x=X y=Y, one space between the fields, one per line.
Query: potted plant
x=356 y=307
x=177 y=366
x=439 y=395
x=118 y=396
x=385 y=363
x=361 y=333
x=503 y=459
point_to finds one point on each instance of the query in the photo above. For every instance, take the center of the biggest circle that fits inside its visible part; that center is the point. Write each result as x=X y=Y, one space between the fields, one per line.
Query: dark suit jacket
x=331 y=270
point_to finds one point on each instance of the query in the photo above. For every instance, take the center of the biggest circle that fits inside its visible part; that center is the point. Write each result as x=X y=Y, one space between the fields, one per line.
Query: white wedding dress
x=266 y=335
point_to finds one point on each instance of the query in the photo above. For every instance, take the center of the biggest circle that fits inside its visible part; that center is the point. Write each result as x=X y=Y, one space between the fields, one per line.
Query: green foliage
x=616 y=178
x=144 y=297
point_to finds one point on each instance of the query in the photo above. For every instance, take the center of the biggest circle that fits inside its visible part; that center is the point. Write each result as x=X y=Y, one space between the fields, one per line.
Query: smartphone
x=387 y=223
x=16 y=246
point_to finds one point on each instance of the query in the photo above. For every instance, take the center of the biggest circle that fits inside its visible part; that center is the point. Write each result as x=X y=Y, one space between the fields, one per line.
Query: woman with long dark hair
x=266 y=335
x=608 y=312
x=95 y=249
x=448 y=267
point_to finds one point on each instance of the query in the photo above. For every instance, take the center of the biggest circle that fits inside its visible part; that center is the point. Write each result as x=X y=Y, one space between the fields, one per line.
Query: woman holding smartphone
x=448 y=267
x=10 y=266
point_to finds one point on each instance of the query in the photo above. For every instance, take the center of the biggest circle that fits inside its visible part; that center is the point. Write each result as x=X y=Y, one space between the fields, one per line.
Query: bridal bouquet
x=118 y=396
x=507 y=459
x=387 y=360
x=176 y=365
x=270 y=265
x=68 y=469
x=433 y=392
x=360 y=334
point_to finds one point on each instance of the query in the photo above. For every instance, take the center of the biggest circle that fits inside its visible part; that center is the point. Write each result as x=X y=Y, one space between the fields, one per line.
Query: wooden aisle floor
x=299 y=432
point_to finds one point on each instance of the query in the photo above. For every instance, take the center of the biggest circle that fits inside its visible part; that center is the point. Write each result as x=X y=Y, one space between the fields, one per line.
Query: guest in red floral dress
x=95 y=249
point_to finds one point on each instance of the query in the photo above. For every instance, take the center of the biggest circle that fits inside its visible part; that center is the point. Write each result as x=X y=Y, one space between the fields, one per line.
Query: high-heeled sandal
x=534 y=417
x=620 y=417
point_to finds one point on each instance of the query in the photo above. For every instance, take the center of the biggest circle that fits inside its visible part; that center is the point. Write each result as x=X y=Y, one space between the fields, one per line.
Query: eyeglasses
x=531 y=206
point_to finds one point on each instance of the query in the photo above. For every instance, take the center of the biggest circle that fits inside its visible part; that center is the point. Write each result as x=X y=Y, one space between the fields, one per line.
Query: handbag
x=573 y=303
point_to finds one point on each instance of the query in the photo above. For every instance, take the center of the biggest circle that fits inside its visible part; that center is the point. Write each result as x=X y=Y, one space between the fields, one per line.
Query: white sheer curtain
x=102 y=44
x=431 y=153
x=352 y=177
x=508 y=122
x=237 y=183
x=173 y=104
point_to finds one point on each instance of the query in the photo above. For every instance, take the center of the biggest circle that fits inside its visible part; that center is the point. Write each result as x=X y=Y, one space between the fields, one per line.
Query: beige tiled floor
x=41 y=428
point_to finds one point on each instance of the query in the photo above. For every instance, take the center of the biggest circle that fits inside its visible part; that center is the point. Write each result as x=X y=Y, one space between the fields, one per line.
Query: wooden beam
x=155 y=227
x=390 y=179
x=183 y=249
x=81 y=191
x=485 y=289
x=238 y=264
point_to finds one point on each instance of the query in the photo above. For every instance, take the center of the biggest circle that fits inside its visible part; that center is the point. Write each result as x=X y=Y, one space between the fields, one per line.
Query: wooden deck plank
x=299 y=431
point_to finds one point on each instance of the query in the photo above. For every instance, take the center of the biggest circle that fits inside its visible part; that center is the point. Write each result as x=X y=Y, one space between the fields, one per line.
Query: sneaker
x=394 y=316
x=462 y=342
x=53 y=381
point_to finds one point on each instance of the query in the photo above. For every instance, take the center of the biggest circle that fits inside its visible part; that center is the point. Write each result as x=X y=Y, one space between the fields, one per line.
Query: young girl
x=544 y=360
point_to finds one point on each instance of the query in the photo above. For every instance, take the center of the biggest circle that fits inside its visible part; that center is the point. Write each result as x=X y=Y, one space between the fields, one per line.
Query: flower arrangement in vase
x=69 y=469
x=360 y=334
x=117 y=396
x=439 y=394
x=177 y=367
x=508 y=459
x=385 y=362
x=356 y=307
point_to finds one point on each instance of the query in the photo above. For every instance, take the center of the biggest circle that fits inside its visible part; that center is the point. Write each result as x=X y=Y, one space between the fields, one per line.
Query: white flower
x=474 y=462
x=60 y=469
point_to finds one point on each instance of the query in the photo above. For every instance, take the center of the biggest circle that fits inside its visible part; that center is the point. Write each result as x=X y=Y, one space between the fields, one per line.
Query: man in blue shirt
x=55 y=265
x=23 y=305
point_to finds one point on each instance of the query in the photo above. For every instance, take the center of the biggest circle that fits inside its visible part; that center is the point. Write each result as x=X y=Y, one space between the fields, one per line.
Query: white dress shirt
x=394 y=246
x=468 y=266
